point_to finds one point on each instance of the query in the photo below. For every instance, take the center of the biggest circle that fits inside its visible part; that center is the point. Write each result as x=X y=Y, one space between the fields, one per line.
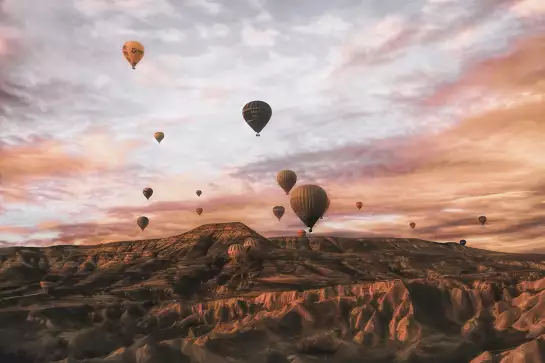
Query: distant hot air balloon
x=199 y=211
x=257 y=115
x=279 y=211
x=412 y=224
x=301 y=233
x=148 y=192
x=198 y=192
x=286 y=179
x=463 y=242
x=133 y=51
x=159 y=136
x=142 y=222
x=482 y=220
x=359 y=205
x=309 y=203
x=249 y=244
x=235 y=251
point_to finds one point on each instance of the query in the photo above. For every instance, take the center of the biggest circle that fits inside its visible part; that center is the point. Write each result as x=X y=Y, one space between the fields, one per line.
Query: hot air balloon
x=309 y=203
x=279 y=211
x=133 y=51
x=159 y=136
x=482 y=220
x=257 y=115
x=235 y=251
x=250 y=243
x=463 y=242
x=412 y=224
x=148 y=192
x=301 y=233
x=359 y=205
x=286 y=179
x=142 y=222
x=45 y=285
x=199 y=211
x=199 y=192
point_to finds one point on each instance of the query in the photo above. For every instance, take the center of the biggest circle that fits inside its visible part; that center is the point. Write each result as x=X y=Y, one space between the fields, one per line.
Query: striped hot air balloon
x=250 y=243
x=309 y=203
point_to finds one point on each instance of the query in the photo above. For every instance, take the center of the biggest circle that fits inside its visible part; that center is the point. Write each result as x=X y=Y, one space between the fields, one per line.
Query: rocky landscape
x=289 y=299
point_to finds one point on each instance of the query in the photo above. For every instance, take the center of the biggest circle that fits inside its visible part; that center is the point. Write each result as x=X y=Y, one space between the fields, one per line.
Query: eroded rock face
x=329 y=299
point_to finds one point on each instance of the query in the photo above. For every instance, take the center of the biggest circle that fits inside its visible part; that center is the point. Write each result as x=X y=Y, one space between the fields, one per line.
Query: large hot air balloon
x=199 y=211
x=463 y=242
x=279 y=211
x=142 y=222
x=133 y=51
x=482 y=220
x=359 y=205
x=301 y=233
x=309 y=203
x=198 y=192
x=286 y=179
x=250 y=243
x=257 y=115
x=148 y=192
x=235 y=251
x=412 y=225
x=159 y=136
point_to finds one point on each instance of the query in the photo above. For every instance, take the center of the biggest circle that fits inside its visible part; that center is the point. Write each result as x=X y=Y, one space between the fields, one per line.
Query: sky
x=429 y=111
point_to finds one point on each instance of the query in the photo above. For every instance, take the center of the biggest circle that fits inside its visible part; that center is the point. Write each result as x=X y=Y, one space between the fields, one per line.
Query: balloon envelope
x=309 y=203
x=199 y=211
x=198 y=192
x=257 y=115
x=482 y=220
x=142 y=222
x=159 y=136
x=412 y=224
x=148 y=192
x=359 y=205
x=279 y=211
x=133 y=52
x=286 y=179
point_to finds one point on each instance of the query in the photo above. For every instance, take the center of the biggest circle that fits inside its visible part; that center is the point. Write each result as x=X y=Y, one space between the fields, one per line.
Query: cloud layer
x=430 y=113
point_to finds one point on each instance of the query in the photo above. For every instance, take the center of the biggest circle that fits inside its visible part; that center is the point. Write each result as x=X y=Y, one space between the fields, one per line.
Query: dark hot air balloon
x=159 y=136
x=142 y=222
x=301 y=233
x=359 y=205
x=482 y=220
x=279 y=211
x=148 y=192
x=257 y=115
x=286 y=179
x=199 y=211
x=133 y=52
x=309 y=203
x=198 y=192
x=412 y=225
x=463 y=242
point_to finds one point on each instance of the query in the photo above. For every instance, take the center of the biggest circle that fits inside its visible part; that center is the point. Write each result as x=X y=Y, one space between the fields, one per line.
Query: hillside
x=289 y=299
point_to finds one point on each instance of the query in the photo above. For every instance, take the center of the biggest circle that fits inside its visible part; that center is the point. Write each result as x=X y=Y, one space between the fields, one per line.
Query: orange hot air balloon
x=279 y=211
x=412 y=225
x=309 y=203
x=249 y=244
x=133 y=52
x=198 y=192
x=199 y=211
x=301 y=233
x=359 y=205
x=148 y=192
x=286 y=179
x=142 y=222
x=482 y=220
x=236 y=251
x=159 y=136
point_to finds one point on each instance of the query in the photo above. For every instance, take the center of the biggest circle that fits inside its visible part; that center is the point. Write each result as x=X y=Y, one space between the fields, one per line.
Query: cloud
x=216 y=30
x=254 y=37
x=325 y=25
x=209 y=6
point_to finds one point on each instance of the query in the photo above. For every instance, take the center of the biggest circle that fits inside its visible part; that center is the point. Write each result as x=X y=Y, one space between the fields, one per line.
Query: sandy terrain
x=289 y=299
